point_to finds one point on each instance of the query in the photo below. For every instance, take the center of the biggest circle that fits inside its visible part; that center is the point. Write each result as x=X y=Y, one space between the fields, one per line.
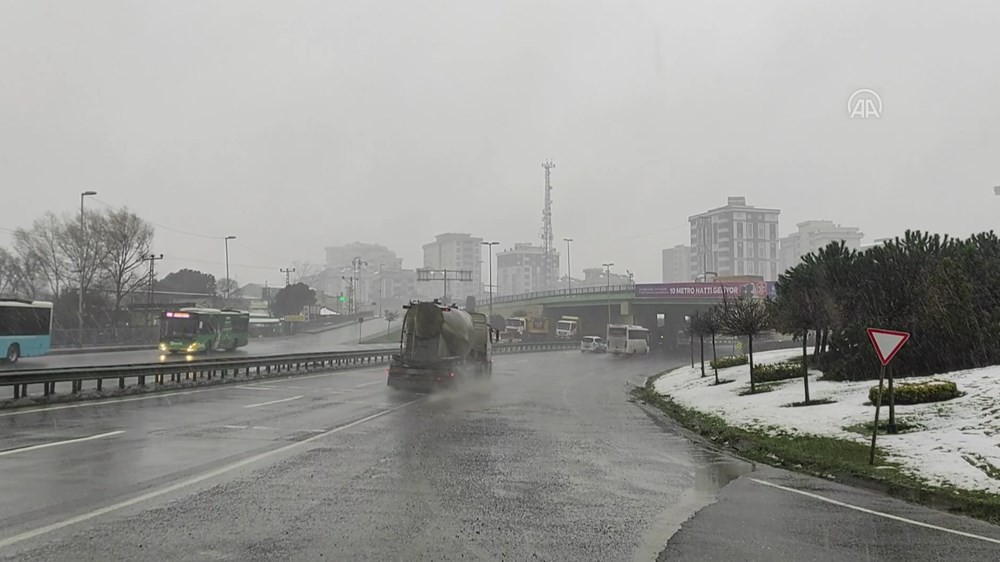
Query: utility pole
x=83 y=259
x=490 y=246
x=381 y=289
x=569 y=270
x=547 y=235
x=288 y=271
x=607 y=267
x=152 y=259
x=229 y=282
x=357 y=262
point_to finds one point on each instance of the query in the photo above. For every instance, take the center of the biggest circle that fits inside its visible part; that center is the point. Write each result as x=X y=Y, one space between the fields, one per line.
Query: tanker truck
x=440 y=345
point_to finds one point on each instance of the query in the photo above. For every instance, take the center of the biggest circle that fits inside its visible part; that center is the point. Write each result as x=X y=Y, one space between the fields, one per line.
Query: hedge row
x=729 y=361
x=917 y=392
x=770 y=372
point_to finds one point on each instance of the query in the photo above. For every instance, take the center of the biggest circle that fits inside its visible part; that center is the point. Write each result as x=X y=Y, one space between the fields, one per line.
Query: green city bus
x=203 y=330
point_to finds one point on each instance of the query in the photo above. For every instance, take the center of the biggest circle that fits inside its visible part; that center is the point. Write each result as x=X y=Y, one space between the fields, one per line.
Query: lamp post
x=83 y=258
x=490 y=246
x=381 y=286
x=607 y=268
x=229 y=281
x=569 y=269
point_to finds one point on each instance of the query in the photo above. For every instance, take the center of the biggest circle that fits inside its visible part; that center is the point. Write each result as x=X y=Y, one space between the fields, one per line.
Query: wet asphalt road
x=546 y=461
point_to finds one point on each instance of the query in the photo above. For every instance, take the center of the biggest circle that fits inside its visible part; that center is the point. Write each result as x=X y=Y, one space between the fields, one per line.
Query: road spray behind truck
x=440 y=345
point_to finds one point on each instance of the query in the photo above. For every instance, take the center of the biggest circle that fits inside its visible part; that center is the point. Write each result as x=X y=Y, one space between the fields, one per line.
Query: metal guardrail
x=235 y=368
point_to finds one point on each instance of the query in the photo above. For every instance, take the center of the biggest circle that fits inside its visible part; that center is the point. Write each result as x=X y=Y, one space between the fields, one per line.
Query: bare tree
x=745 y=316
x=40 y=247
x=713 y=326
x=126 y=239
x=9 y=273
x=699 y=329
x=390 y=316
x=82 y=245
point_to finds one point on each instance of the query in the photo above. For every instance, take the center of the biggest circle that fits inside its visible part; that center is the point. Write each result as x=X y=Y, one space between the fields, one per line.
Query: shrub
x=917 y=392
x=769 y=372
x=729 y=361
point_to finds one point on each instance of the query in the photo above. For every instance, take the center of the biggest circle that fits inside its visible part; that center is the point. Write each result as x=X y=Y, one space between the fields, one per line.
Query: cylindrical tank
x=427 y=321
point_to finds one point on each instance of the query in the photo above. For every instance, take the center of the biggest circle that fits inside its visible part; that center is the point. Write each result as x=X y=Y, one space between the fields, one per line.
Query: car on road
x=593 y=344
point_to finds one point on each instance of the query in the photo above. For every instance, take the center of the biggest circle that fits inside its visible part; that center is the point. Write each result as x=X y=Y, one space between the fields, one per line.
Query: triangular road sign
x=887 y=343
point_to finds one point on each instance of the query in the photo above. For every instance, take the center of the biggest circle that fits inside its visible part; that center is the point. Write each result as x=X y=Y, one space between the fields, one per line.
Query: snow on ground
x=956 y=434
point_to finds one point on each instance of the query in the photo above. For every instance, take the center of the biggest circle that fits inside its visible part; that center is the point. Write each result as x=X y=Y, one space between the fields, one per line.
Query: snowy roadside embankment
x=956 y=442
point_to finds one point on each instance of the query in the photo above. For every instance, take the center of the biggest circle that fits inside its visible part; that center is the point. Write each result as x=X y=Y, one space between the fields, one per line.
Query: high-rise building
x=597 y=277
x=677 y=264
x=521 y=269
x=454 y=252
x=342 y=256
x=813 y=235
x=737 y=239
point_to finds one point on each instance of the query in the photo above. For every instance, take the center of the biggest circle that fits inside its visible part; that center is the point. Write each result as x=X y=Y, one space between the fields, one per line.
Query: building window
x=774 y=250
x=761 y=250
x=760 y=230
x=739 y=231
x=739 y=268
x=749 y=267
x=772 y=230
x=750 y=250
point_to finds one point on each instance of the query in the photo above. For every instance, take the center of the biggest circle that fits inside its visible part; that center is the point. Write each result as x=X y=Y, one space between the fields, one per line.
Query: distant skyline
x=295 y=126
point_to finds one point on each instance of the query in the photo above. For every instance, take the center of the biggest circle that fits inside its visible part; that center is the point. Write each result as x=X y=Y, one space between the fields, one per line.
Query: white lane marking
x=193 y=480
x=877 y=513
x=236 y=427
x=57 y=443
x=369 y=384
x=258 y=388
x=274 y=401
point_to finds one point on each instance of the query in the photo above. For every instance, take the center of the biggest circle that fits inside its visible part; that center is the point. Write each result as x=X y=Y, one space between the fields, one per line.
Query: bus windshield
x=179 y=327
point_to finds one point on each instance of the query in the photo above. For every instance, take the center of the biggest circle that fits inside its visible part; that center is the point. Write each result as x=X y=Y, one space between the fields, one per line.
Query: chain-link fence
x=137 y=335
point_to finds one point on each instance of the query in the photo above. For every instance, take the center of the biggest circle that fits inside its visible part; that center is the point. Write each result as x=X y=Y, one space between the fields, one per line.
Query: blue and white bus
x=25 y=329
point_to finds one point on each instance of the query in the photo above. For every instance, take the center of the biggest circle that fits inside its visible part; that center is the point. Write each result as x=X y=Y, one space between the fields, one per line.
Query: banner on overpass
x=760 y=289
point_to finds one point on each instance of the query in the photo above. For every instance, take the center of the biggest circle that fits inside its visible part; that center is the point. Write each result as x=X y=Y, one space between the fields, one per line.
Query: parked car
x=593 y=344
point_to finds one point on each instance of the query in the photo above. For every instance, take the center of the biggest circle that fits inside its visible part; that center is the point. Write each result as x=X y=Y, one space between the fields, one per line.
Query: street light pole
x=83 y=258
x=380 y=289
x=569 y=269
x=607 y=267
x=490 y=246
x=229 y=281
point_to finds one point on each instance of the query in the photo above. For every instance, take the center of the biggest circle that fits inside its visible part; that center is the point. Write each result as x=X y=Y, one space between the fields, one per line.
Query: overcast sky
x=300 y=124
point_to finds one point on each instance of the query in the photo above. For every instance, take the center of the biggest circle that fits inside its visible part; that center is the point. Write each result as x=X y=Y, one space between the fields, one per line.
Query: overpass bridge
x=658 y=306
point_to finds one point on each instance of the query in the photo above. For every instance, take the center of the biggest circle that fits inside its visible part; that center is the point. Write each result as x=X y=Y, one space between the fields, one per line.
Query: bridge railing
x=597 y=289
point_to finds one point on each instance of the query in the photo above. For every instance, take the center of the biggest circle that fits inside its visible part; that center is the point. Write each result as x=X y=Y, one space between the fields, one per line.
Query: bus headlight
x=163 y=347
x=193 y=347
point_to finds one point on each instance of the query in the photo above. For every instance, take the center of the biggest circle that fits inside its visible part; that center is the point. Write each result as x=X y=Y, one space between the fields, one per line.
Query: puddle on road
x=712 y=473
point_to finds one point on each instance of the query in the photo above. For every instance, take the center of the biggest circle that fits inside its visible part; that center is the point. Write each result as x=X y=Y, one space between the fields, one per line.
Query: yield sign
x=887 y=343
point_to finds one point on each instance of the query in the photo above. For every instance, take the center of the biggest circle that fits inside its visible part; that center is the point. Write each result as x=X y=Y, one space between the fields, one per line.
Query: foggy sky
x=300 y=124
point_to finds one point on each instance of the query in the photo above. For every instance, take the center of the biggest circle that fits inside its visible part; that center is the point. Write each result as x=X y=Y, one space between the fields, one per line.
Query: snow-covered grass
x=956 y=442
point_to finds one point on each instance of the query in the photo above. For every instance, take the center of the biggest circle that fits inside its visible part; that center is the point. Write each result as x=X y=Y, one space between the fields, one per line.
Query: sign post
x=887 y=344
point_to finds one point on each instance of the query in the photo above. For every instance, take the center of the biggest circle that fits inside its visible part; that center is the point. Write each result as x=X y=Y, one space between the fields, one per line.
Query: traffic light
x=341 y=298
